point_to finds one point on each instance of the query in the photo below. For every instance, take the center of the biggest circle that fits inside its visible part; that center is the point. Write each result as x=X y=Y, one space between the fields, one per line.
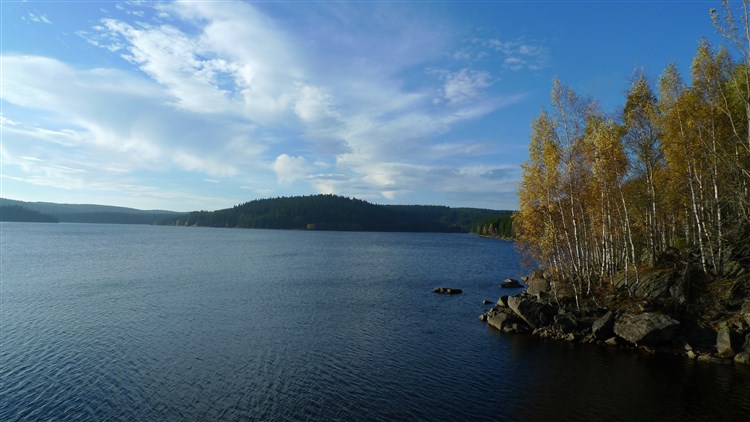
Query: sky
x=208 y=104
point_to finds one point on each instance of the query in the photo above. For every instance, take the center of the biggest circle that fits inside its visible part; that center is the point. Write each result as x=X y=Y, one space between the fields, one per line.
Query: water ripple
x=119 y=323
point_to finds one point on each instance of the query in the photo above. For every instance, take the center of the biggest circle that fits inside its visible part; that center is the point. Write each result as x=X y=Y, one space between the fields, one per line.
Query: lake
x=122 y=322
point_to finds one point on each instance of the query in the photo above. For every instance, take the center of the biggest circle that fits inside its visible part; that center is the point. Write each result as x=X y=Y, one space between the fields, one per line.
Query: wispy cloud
x=463 y=86
x=221 y=90
x=36 y=18
x=514 y=54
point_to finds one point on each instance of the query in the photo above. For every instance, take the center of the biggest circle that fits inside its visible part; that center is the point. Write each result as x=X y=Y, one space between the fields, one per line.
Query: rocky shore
x=666 y=311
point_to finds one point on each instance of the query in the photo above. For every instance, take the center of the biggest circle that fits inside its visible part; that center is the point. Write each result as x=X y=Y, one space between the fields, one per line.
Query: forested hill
x=18 y=213
x=331 y=212
x=88 y=213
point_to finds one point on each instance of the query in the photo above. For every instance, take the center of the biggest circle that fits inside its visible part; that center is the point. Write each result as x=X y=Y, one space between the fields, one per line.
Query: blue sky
x=204 y=105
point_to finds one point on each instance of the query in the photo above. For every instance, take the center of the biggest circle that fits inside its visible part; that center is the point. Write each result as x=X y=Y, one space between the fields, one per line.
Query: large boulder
x=603 y=327
x=537 y=284
x=498 y=320
x=535 y=313
x=648 y=328
x=728 y=343
x=651 y=285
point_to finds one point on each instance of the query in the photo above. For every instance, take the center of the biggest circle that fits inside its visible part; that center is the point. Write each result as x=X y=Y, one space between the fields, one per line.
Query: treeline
x=602 y=195
x=500 y=226
x=89 y=213
x=332 y=212
x=18 y=213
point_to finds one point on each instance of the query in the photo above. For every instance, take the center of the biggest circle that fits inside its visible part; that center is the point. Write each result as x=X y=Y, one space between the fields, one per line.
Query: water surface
x=166 y=323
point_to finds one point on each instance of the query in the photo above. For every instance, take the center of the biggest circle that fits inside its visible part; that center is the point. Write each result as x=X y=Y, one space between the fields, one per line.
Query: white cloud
x=313 y=104
x=4 y=121
x=289 y=169
x=220 y=89
x=37 y=18
x=464 y=86
x=119 y=120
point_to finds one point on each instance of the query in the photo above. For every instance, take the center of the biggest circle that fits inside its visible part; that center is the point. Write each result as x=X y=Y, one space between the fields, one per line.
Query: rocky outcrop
x=650 y=285
x=447 y=291
x=670 y=310
x=534 y=312
x=504 y=319
x=646 y=329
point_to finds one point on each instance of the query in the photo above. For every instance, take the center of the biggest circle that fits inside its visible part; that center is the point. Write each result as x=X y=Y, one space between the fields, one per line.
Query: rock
x=535 y=314
x=727 y=342
x=713 y=359
x=483 y=317
x=447 y=291
x=603 y=327
x=486 y=302
x=612 y=341
x=648 y=328
x=651 y=285
x=537 y=285
x=498 y=320
x=691 y=355
x=745 y=312
x=678 y=294
x=510 y=283
x=516 y=327
x=743 y=358
x=700 y=336
x=502 y=302
x=566 y=322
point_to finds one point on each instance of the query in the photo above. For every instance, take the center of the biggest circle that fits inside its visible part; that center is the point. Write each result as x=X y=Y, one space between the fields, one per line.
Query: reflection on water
x=165 y=323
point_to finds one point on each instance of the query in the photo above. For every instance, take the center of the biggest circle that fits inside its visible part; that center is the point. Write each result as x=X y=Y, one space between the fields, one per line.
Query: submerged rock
x=648 y=328
x=714 y=359
x=447 y=291
x=486 y=302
